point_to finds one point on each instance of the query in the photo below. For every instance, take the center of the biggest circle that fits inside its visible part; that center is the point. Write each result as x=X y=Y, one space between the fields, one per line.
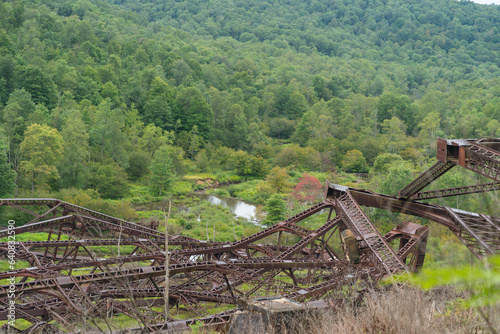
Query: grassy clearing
x=199 y=219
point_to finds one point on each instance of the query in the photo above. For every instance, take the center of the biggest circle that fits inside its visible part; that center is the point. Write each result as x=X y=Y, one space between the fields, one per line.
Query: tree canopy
x=239 y=87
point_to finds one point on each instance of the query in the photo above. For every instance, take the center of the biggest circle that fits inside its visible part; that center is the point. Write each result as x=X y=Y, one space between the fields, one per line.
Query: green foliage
x=229 y=93
x=162 y=176
x=354 y=162
x=391 y=105
x=15 y=115
x=42 y=147
x=7 y=175
x=481 y=281
x=76 y=152
x=107 y=133
x=201 y=219
x=181 y=188
x=397 y=177
x=251 y=191
x=193 y=110
x=276 y=209
x=108 y=178
x=37 y=83
x=245 y=164
x=384 y=161
x=303 y=158
x=278 y=180
x=138 y=162
x=220 y=192
x=91 y=199
x=159 y=105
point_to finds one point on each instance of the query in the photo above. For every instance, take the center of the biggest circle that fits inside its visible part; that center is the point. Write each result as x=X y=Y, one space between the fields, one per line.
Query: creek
x=238 y=207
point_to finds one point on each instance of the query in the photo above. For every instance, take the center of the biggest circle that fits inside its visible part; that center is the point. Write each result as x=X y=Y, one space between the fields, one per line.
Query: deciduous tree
x=41 y=149
x=279 y=180
x=162 y=176
x=7 y=174
x=308 y=190
x=276 y=209
x=354 y=162
x=76 y=151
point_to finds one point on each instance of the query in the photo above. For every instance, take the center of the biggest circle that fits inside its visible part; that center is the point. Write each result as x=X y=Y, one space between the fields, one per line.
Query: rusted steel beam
x=84 y=212
x=172 y=240
x=426 y=178
x=146 y=272
x=216 y=321
x=70 y=219
x=203 y=272
x=478 y=188
x=380 y=251
x=52 y=210
x=341 y=276
x=286 y=226
x=481 y=156
x=306 y=240
x=39 y=271
x=480 y=233
x=436 y=213
x=288 y=254
x=413 y=243
x=370 y=198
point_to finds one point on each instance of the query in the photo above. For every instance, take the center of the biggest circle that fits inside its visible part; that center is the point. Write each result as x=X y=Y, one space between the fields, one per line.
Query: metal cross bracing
x=93 y=266
x=239 y=261
x=479 y=232
x=477 y=188
x=426 y=178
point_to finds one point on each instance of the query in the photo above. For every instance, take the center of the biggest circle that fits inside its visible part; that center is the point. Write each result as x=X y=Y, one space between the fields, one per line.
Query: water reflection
x=238 y=207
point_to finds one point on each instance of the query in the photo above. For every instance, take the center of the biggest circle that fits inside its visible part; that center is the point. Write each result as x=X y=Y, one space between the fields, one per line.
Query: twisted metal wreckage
x=69 y=285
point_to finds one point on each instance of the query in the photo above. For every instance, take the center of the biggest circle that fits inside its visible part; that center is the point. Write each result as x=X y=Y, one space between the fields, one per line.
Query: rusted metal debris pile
x=93 y=266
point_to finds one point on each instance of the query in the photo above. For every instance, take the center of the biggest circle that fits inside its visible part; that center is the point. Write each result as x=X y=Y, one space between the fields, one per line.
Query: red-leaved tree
x=309 y=189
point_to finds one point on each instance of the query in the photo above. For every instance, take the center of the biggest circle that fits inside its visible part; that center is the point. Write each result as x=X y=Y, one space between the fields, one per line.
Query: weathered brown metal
x=478 y=188
x=481 y=156
x=380 y=252
x=426 y=178
x=412 y=245
x=206 y=275
x=486 y=226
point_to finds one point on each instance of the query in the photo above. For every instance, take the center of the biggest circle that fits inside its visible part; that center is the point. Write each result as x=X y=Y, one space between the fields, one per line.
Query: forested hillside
x=118 y=95
x=443 y=34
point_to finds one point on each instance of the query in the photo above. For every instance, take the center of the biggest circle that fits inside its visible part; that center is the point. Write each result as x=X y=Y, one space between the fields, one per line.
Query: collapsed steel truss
x=94 y=267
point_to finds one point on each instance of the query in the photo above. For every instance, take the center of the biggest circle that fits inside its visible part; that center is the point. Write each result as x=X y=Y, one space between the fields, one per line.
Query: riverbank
x=202 y=216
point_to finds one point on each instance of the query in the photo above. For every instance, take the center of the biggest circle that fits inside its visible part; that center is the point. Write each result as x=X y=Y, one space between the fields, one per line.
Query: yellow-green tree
x=429 y=128
x=162 y=174
x=354 y=162
x=41 y=148
x=279 y=180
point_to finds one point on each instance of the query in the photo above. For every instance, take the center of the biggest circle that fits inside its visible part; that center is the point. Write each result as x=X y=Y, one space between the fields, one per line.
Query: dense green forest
x=135 y=100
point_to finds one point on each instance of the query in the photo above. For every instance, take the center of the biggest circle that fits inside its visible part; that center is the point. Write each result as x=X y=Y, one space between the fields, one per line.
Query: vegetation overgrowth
x=114 y=104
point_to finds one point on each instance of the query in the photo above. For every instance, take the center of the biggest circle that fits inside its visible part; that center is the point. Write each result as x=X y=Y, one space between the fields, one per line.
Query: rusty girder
x=481 y=156
x=69 y=278
x=426 y=178
x=477 y=188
